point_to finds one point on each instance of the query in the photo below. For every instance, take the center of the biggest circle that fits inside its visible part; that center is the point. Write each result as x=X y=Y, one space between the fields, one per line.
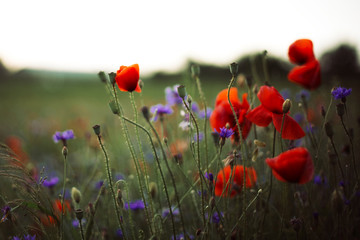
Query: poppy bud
x=328 y=129
x=96 y=129
x=189 y=99
x=145 y=112
x=255 y=154
x=340 y=109
x=141 y=84
x=286 y=106
x=153 y=189
x=249 y=80
x=195 y=70
x=119 y=198
x=75 y=195
x=181 y=91
x=259 y=143
x=79 y=213
x=323 y=111
x=65 y=151
x=337 y=201
x=112 y=76
x=113 y=107
x=227 y=125
x=234 y=67
x=102 y=76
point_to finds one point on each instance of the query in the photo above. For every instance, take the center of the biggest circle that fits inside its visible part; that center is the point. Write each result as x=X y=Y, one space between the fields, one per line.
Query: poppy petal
x=291 y=129
x=307 y=75
x=127 y=78
x=295 y=166
x=222 y=96
x=260 y=116
x=301 y=51
x=271 y=99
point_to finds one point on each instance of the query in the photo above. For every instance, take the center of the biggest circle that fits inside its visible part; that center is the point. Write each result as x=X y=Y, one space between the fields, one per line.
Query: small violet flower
x=63 y=136
x=172 y=96
x=202 y=113
x=51 y=182
x=136 y=205
x=76 y=224
x=225 y=132
x=302 y=94
x=160 y=110
x=182 y=236
x=166 y=212
x=209 y=176
x=339 y=92
x=6 y=212
x=201 y=136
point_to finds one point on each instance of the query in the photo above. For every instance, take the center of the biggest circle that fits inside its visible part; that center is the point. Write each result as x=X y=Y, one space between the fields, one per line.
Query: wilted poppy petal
x=291 y=129
x=222 y=96
x=271 y=99
x=127 y=78
x=301 y=51
x=307 y=75
x=260 y=116
x=295 y=166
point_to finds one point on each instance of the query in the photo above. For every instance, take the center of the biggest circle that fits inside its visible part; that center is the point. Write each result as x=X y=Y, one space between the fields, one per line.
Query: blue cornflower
x=301 y=94
x=339 y=92
x=285 y=93
x=6 y=212
x=195 y=107
x=182 y=236
x=209 y=176
x=166 y=212
x=119 y=233
x=215 y=218
x=225 y=132
x=136 y=205
x=76 y=224
x=99 y=184
x=160 y=110
x=172 y=96
x=51 y=182
x=16 y=238
x=201 y=136
x=320 y=180
x=63 y=136
x=202 y=113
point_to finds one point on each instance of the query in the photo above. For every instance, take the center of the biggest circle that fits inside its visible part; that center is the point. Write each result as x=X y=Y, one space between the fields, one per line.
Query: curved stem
x=62 y=200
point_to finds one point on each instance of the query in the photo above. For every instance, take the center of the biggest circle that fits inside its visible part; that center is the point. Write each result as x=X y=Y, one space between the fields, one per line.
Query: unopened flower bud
x=181 y=91
x=119 y=198
x=65 y=151
x=249 y=80
x=114 y=108
x=234 y=68
x=153 y=189
x=112 y=76
x=286 y=106
x=96 y=129
x=141 y=84
x=323 y=111
x=102 y=76
x=255 y=155
x=340 y=109
x=227 y=125
x=195 y=70
x=146 y=113
x=189 y=99
x=75 y=195
x=328 y=130
x=79 y=213
x=259 y=143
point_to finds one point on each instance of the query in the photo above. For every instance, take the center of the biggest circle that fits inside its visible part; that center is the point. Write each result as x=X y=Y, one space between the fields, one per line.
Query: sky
x=161 y=35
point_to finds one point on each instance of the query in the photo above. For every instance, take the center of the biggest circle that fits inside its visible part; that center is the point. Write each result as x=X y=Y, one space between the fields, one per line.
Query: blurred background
x=51 y=52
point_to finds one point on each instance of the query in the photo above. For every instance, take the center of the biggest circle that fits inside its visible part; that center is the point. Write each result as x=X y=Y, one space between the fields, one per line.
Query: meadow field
x=288 y=170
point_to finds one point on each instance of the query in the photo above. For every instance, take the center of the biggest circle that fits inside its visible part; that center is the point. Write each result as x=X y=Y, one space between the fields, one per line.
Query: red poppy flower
x=295 y=166
x=270 y=110
x=127 y=78
x=237 y=180
x=301 y=52
x=223 y=114
x=308 y=73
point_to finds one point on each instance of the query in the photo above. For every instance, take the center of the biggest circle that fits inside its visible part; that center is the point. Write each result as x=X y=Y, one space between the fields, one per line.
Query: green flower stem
x=63 y=199
x=198 y=163
x=90 y=225
x=108 y=174
x=171 y=176
x=281 y=131
x=203 y=99
x=338 y=158
x=265 y=69
x=146 y=179
x=159 y=168
x=352 y=149
x=81 y=230
x=129 y=209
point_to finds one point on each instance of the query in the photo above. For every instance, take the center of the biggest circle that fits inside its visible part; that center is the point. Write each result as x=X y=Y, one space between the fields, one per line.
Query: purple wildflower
x=285 y=93
x=201 y=136
x=51 y=182
x=160 y=110
x=172 y=96
x=76 y=224
x=99 y=184
x=28 y=237
x=182 y=236
x=136 y=205
x=302 y=94
x=63 y=136
x=202 y=113
x=215 y=218
x=195 y=107
x=320 y=180
x=299 y=117
x=119 y=176
x=16 y=238
x=6 y=212
x=166 y=212
x=225 y=133
x=119 y=233
x=339 y=92
x=209 y=176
